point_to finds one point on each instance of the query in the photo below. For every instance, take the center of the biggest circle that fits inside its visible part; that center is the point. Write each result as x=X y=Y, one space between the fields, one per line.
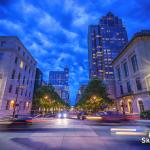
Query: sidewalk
x=144 y=121
x=7 y=144
x=5 y=120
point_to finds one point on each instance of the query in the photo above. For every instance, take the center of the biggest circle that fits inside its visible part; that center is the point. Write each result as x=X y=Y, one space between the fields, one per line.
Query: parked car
x=72 y=115
x=82 y=115
x=100 y=114
x=49 y=115
x=22 y=120
x=95 y=116
x=113 y=116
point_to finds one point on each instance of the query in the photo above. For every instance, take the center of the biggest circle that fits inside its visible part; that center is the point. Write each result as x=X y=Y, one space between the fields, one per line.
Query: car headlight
x=64 y=115
x=59 y=115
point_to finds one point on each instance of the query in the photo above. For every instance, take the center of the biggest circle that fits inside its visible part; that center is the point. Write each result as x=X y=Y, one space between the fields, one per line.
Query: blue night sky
x=55 y=31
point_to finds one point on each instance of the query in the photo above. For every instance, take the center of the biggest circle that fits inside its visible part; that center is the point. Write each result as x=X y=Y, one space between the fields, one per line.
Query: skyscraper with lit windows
x=60 y=79
x=105 y=41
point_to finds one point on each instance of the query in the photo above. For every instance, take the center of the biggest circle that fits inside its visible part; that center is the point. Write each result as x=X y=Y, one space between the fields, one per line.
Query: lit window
x=21 y=64
x=100 y=70
x=111 y=73
x=27 y=104
x=12 y=104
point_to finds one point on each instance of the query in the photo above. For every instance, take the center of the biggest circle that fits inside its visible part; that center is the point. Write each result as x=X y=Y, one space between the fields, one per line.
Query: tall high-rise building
x=105 y=41
x=59 y=79
x=38 y=79
x=80 y=92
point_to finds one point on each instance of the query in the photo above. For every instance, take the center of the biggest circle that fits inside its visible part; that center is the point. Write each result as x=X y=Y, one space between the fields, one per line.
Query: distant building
x=38 y=79
x=105 y=42
x=59 y=79
x=17 y=76
x=80 y=92
x=38 y=84
x=44 y=83
x=132 y=75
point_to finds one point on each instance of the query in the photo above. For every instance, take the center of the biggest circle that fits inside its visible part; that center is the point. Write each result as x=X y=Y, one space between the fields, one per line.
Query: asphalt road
x=71 y=134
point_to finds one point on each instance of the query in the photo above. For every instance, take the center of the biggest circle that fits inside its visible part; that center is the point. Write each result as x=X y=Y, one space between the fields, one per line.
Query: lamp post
x=46 y=99
x=93 y=101
x=16 y=104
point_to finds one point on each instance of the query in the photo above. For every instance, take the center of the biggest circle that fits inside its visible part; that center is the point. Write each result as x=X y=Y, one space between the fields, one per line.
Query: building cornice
x=144 y=34
x=16 y=38
x=133 y=94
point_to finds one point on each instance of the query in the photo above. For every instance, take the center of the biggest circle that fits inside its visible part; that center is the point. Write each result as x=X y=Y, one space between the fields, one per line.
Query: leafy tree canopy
x=46 y=97
x=95 y=96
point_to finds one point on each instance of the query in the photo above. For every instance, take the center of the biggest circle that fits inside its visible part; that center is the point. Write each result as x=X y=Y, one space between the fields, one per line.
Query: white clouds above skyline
x=55 y=31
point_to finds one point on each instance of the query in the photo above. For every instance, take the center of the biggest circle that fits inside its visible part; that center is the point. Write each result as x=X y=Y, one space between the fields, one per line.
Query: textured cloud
x=55 y=31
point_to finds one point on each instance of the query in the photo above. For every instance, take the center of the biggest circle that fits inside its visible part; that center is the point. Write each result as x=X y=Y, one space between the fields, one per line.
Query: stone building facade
x=17 y=77
x=132 y=75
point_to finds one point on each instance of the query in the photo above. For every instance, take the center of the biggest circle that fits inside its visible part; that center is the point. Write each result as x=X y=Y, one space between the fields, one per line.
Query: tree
x=45 y=98
x=95 y=96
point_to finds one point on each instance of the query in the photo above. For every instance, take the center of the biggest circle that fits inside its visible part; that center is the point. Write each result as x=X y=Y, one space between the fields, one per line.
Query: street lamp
x=16 y=104
x=46 y=97
x=94 y=97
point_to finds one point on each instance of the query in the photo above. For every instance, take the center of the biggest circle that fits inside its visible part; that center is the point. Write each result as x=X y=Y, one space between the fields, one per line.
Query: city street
x=74 y=75
x=70 y=134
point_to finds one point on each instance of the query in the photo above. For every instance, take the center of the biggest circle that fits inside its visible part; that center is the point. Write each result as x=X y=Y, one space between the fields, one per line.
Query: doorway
x=141 y=106
x=130 y=107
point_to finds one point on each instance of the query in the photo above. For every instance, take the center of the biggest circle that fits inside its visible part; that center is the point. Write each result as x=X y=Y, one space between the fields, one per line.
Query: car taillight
x=29 y=121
